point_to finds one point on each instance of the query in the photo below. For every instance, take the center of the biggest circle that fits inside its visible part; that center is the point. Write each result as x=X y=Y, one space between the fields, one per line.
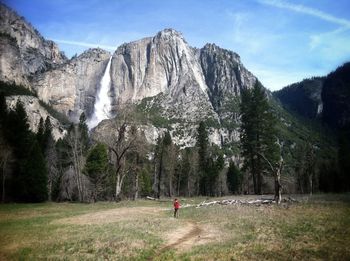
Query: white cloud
x=84 y=44
x=307 y=10
x=317 y=40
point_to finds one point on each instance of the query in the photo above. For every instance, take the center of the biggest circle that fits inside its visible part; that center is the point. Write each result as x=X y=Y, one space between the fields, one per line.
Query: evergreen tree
x=18 y=133
x=145 y=183
x=34 y=180
x=234 y=178
x=258 y=135
x=40 y=134
x=51 y=157
x=188 y=180
x=29 y=182
x=47 y=134
x=165 y=155
x=84 y=132
x=96 y=167
x=3 y=111
x=344 y=158
x=202 y=145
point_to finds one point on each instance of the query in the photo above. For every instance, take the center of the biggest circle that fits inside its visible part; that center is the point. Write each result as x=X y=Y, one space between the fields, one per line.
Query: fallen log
x=256 y=202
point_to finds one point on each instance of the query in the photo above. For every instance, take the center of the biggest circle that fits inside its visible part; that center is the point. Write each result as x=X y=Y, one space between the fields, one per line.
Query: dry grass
x=317 y=229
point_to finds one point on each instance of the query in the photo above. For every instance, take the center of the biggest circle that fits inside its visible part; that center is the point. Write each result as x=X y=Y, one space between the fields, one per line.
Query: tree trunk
x=136 y=195
x=258 y=185
x=118 y=186
x=254 y=179
x=278 y=186
x=311 y=183
x=188 y=187
x=170 y=182
x=160 y=174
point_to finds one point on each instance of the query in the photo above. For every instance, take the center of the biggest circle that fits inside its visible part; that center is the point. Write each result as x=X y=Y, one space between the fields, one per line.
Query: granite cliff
x=23 y=51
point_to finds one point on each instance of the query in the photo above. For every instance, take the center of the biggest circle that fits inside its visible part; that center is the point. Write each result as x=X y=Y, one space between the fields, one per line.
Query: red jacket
x=176 y=205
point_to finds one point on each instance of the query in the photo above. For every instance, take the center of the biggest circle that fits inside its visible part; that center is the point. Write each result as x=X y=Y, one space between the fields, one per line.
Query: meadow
x=316 y=228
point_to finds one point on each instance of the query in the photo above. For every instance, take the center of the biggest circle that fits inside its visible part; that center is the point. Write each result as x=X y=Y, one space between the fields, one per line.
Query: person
x=176 y=208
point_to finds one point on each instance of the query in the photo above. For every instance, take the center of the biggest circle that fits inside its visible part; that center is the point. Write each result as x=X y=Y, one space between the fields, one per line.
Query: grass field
x=314 y=229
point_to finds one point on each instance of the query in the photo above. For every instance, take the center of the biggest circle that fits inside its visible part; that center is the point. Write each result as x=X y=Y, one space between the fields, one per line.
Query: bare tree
x=76 y=154
x=276 y=170
x=123 y=139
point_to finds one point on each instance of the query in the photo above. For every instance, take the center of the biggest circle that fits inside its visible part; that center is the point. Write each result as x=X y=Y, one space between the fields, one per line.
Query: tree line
x=119 y=163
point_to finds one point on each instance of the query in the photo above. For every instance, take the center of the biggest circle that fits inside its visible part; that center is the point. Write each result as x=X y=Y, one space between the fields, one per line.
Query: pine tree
x=29 y=182
x=40 y=134
x=34 y=180
x=234 y=178
x=84 y=132
x=3 y=111
x=202 y=145
x=165 y=155
x=96 y=167
x=343 y=158
x=258 y=135
x=51 y=156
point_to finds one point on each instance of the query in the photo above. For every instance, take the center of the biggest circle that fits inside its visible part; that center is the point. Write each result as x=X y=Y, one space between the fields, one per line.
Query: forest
x=87 y=167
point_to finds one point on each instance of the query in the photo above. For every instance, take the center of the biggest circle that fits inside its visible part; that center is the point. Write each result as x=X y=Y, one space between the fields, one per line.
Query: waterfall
x=102 y=107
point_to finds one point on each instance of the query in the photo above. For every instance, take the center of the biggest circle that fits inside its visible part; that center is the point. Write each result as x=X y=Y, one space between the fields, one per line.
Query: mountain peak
x=211 y=48
x=169 y=33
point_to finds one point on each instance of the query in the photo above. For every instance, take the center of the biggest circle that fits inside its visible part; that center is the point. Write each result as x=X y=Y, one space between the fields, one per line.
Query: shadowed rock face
x=71 y=87
x=23 y=51
x=336 y=97
x=303 y=97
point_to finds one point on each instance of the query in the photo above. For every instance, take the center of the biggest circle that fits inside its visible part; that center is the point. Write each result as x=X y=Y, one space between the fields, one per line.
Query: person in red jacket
x=176 y=208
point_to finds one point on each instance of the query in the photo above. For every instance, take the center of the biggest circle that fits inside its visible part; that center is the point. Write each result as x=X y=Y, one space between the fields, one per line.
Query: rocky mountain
x=171 y=84
x=163 y=75
x=177 y=86
x=224 y=74
x=23 y=51
x=303 y=98
x=71 y=87
x=323 y=98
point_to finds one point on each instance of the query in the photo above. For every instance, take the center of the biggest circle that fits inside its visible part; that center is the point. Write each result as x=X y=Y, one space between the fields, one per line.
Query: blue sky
x=280 y=41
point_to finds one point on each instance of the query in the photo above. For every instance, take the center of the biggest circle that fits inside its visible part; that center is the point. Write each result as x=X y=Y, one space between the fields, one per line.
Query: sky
x=279 y=41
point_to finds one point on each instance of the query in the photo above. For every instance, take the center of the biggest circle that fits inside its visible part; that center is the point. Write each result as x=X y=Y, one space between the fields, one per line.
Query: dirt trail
x=186 y=236
x=188 y=233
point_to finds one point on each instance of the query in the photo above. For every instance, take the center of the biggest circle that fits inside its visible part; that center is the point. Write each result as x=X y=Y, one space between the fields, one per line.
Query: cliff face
x=23 y=51
x=164 y=64
x=224 y=74
x=303 y=98
x=71 y=88
x=191 y=84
